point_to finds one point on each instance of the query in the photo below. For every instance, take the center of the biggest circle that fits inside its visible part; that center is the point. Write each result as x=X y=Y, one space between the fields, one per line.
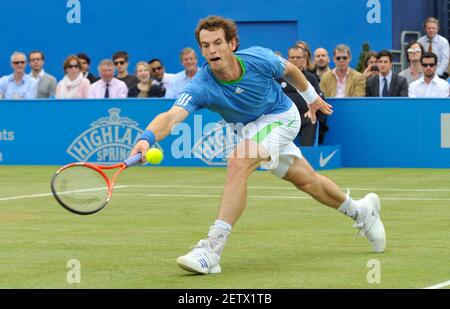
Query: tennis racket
x=84 y=188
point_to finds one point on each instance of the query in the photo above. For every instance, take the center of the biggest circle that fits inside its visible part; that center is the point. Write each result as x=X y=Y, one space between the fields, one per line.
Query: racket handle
x=133 y=160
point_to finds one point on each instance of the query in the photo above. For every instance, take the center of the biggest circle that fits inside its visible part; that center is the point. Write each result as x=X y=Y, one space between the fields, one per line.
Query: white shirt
x=166 y=81
x=381 y=78
x=177 y=85
x=340 y=87
x=39 y=77
x=437 y=88
x=442 y=50
x=117 y=89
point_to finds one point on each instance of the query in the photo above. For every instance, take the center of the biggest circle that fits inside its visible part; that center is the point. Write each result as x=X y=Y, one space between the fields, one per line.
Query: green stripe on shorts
x=262 y=134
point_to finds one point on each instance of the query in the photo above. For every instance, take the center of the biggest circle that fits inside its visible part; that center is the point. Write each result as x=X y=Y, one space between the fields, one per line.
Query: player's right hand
x=141 y=146
x=319 y=105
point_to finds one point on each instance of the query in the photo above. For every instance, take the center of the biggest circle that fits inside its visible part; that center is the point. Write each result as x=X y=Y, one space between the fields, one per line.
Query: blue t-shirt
x=255 y=94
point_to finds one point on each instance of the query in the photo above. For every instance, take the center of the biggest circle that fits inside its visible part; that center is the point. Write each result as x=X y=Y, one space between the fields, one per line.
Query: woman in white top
x=73 y=85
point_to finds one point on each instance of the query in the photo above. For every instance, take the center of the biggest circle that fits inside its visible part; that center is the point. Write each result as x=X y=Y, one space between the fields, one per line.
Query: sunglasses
x=157 y=69
x=428 y=65
x=343 y=58
x=119 y=62
x=19 y=62
x=73 y=66
x=35 y=59
x=413 y=50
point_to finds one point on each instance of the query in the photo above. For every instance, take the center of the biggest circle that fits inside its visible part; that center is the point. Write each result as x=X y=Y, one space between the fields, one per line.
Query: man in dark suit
x=85 y=64
x=297 y=56
x=387 y=83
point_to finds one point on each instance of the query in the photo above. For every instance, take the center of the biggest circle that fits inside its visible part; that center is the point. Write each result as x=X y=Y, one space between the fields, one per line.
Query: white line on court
x=21 y=197
x=266 y=196
x=2 y=199
x=286 y=188
x=438 y=286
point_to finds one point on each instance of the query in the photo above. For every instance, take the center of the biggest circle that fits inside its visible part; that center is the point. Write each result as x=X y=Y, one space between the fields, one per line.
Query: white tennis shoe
x=371 y=226
x=201 y=260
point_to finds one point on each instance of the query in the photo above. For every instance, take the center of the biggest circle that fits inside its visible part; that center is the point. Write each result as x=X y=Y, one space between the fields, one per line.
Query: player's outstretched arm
x=296 y=78
x=158 y=129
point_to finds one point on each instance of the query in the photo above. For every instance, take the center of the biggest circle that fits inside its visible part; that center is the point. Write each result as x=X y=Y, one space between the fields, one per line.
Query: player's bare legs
x=244 y=160
x=321 y=188
x=366 y=212
x=205 y=257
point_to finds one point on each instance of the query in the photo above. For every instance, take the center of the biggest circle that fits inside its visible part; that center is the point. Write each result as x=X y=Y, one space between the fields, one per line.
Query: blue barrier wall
x=161 y=28
x=391 y=132
x=371 y=132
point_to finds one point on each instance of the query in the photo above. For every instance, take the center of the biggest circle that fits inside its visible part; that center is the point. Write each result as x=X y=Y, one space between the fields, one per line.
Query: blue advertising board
x=363 y=132
x=397 y=132
x=104 y=132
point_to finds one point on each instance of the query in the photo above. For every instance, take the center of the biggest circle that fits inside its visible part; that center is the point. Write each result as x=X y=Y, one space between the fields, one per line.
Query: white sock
x=218 y=235
x=353 y=209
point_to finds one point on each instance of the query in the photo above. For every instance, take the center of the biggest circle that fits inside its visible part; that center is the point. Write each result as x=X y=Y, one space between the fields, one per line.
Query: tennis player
x=241 y=87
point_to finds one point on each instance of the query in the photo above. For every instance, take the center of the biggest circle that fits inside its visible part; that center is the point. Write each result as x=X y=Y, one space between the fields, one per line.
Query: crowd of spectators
x=114 y=80
x=425 y=76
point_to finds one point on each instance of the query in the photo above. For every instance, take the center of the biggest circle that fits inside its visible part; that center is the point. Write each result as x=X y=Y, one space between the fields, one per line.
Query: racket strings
x=81 y=188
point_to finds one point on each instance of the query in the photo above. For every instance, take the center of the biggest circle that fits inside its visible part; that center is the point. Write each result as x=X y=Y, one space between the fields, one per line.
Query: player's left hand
x=319 y=105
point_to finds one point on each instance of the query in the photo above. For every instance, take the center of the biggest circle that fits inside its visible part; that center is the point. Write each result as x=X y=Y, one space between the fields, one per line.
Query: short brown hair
x=187 y=50
x=212 y=23
x=120 y=54
x=36 y=52
x=69 y=59
x=431 y=20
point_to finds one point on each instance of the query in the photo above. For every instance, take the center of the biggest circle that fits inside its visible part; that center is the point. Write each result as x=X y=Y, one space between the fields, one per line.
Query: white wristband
x=309 y=95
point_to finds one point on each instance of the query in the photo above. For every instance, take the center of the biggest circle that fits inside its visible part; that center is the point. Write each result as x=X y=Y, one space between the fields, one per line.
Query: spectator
x=370 y=65
x=414 y=52
x=108 y=87
x=145 y=87
x=297 y=56
x=387 y=83
x=343 y=81
x=159 y=75
x=429 y=85
x=74 y=85
x=321 y=61
x=18 y=85
x=121 y=62
x=310 y=67
x=189 y=60
x=433 y=42
x=46 y=83
x=85 y=66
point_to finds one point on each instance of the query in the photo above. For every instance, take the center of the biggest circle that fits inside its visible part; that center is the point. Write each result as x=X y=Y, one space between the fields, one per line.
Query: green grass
x=279 y=242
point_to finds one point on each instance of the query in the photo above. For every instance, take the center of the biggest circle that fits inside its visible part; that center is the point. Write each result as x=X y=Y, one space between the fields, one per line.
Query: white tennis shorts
x=276 y=132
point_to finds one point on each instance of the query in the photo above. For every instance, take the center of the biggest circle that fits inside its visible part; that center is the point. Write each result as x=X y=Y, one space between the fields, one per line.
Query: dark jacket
x=92 y=78
x=302 y=106
x=397 y=88
x=155 y=91
x=292 y=93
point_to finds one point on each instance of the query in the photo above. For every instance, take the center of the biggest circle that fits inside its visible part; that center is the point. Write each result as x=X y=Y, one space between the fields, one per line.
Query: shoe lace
x=202 y=244
x=361 y=232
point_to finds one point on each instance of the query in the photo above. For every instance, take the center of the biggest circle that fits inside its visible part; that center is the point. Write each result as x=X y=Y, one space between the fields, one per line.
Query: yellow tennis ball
x=154 y=156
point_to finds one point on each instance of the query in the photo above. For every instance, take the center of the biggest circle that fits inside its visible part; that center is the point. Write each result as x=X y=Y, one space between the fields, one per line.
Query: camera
x=374 y=68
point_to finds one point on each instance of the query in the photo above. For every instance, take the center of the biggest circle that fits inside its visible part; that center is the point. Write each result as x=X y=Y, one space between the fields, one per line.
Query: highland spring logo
x=109 y=139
